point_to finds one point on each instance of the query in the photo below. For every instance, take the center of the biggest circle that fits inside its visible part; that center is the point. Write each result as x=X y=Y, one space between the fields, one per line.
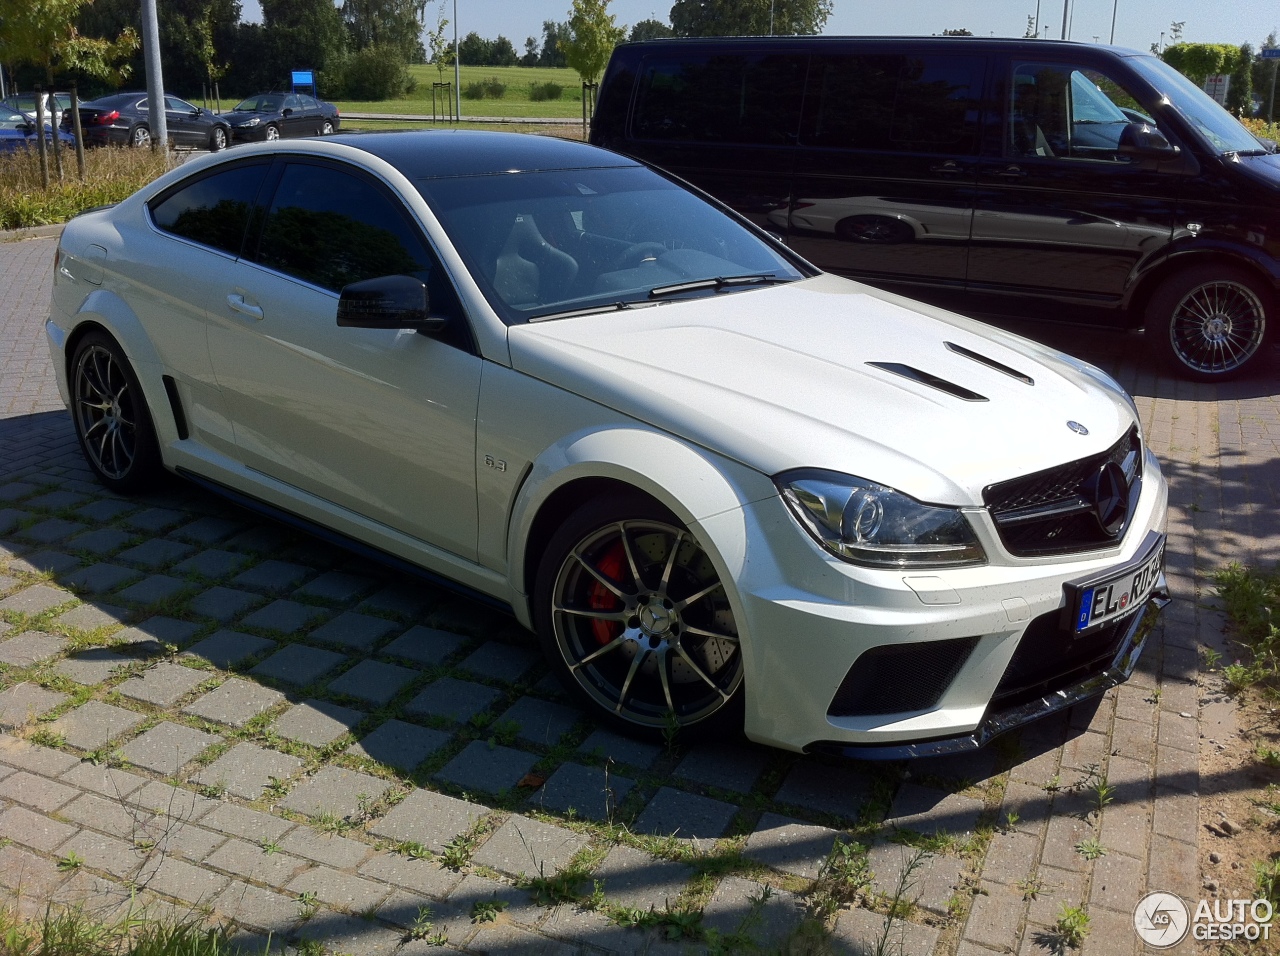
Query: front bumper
x=807 y=619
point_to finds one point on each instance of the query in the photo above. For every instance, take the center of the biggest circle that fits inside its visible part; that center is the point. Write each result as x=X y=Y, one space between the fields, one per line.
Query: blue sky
x=1138 y=22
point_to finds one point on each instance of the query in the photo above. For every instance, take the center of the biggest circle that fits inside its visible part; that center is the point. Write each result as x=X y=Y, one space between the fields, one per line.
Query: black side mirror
x=388 y=302
x=287 y=111
x=1143 y=141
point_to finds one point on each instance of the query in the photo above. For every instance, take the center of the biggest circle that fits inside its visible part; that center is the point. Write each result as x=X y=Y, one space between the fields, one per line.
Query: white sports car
x=725 y=489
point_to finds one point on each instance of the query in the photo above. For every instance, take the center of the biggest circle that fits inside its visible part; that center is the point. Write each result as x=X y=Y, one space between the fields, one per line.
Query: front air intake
x=897 y=678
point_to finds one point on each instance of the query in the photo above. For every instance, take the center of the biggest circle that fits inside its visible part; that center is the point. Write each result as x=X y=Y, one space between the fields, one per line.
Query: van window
x=721 y=99
x=1062 y=112
x=896 y=102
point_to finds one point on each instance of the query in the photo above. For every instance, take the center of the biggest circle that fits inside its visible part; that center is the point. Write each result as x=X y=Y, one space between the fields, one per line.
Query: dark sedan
x=272 y=116
x=123 y=119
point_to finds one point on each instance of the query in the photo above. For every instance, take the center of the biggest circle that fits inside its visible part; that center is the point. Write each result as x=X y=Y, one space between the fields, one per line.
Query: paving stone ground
x=315 y=748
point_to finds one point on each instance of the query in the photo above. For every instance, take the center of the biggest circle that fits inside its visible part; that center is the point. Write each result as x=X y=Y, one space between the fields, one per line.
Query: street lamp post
x=457 y=69
x=1114 y=5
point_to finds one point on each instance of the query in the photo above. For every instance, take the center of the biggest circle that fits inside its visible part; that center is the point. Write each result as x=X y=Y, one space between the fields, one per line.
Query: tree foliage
x=593 y=35
x=554 y=37
x=705 y=18
x=438 y=45
x=394 y=26
x=43 y=33
x=1199 y=61
x=304 y=34
x=957 y=32
x=650 y=30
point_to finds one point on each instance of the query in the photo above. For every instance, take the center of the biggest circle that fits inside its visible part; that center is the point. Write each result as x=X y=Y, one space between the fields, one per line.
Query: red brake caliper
x=600 y=598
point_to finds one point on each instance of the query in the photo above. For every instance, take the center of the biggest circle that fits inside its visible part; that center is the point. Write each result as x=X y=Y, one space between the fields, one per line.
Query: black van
x=1019 y=177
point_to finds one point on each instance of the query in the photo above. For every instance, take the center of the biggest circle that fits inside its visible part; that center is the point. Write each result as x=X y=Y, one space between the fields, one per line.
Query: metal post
x=457 y=67
x=75 y=128
x=1037 y=31
x=155 y=75
x=1065 y=5
x=44 y=156
x=1271 y=108
x=1114 y=6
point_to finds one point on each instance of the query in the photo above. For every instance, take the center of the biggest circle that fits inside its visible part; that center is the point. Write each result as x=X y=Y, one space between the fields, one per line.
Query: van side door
x=885 y=171
x=724 y=121
x=1063 y=215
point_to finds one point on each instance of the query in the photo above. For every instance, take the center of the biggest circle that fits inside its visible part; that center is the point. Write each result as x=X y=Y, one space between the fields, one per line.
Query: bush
x=375 y=73
x=112 y=173
x=545 y=91
x=490 y=88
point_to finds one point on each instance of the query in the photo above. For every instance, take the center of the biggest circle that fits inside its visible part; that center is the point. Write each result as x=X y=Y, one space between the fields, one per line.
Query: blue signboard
x=304 y=78
x=1271 y=53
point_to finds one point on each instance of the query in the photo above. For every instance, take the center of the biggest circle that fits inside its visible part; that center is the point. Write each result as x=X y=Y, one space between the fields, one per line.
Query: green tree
x=593 y=35
x=438 y=44
x=503 y=52
x=1199 y=61
x=705 y=18
x=530 y=57
x=43 y=33
x=1240 y=92
x=957 y=32
x=395 y=26
x=554 y=37
x=650 y=30
x=1263 y=71
x=304 y=34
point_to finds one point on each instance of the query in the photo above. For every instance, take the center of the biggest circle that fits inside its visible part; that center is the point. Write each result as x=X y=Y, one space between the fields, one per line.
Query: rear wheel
x=326 y=129
x=139 y=136
x=111 y=417
x=1211 y=323
x=635 y=620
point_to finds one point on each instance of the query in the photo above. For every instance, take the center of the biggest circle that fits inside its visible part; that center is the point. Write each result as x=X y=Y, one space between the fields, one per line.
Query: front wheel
x=635 y=620
x=273 y=133
x=110 y=413
x=217 y=140
x=1210 y=323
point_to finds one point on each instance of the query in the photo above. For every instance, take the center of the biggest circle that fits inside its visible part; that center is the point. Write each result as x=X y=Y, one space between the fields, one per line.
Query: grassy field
x=515 y=102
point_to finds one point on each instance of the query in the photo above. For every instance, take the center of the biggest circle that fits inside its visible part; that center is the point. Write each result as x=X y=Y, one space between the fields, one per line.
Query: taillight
x=106 y=119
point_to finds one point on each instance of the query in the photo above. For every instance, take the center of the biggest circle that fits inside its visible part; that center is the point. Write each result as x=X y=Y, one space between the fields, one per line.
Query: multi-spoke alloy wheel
x=1215 y=322
x=641 y=621
x=111 y=417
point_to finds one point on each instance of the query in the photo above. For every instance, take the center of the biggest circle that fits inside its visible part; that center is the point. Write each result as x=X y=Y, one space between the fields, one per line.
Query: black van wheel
x=635 y=621
x=1211 y=323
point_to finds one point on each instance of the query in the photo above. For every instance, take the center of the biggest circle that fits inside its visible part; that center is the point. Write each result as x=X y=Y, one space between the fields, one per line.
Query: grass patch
x=1252 y=599
x=70 y=931
x=111 y=174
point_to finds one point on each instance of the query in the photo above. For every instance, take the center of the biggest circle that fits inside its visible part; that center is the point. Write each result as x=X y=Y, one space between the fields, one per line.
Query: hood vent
x=989 y=363
x=925 y=378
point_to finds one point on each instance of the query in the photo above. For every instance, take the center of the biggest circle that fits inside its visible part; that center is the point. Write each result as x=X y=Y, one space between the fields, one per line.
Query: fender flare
x=693 y=483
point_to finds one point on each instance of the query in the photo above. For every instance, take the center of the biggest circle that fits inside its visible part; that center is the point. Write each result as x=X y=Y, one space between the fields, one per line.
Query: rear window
x=214 y=210
x=894 y=102
x=721 y=99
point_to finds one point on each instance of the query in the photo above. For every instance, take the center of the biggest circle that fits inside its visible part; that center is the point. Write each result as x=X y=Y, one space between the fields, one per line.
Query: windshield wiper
x=590 y=310
x=720 y=282
x=1247 y=152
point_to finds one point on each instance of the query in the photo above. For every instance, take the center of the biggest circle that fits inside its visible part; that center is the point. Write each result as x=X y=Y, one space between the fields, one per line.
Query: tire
x=218 y=139
x=635 y=652
x=1211 y=323
x=326 y=129
x=139 y=136
x=111 y=418
x=272 y=133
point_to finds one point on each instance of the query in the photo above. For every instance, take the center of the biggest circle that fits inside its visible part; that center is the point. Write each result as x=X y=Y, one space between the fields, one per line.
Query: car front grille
x=1054 y=511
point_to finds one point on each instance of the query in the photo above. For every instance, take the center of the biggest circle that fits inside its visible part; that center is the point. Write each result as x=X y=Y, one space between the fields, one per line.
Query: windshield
x=259 y=104
x=1219 y=127
x=544 y=243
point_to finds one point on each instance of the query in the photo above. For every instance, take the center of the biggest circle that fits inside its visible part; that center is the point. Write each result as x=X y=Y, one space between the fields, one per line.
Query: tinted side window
x=895 y=102
x=722 y=99
x=213 y=211
x=331 y=228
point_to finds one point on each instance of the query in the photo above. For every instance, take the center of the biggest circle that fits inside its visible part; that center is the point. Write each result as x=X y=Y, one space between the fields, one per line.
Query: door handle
x=236 y=303
x=949 y=168
x=1013 y=172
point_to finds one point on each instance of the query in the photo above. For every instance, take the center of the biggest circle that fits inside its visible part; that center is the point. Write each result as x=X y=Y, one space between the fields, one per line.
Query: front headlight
x=250 y=122
x=866 y=523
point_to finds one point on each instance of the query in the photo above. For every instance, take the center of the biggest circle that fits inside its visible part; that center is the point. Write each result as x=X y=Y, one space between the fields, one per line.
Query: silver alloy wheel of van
x=1217 y=327
x=643 y=625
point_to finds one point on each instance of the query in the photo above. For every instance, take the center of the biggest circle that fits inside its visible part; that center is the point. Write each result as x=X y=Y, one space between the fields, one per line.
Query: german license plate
x=1117 y=591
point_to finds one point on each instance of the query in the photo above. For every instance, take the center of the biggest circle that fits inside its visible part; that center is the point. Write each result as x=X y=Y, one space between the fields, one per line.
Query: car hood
x=780 y=378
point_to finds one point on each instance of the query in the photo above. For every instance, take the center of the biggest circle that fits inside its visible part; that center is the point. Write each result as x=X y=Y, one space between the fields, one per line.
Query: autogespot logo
x=1161 y=919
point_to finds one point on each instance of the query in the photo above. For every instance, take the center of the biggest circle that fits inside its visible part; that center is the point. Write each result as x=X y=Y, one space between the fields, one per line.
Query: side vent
x=990 y=363
x=175 y=405
x=897 y=678
x=925 y=378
